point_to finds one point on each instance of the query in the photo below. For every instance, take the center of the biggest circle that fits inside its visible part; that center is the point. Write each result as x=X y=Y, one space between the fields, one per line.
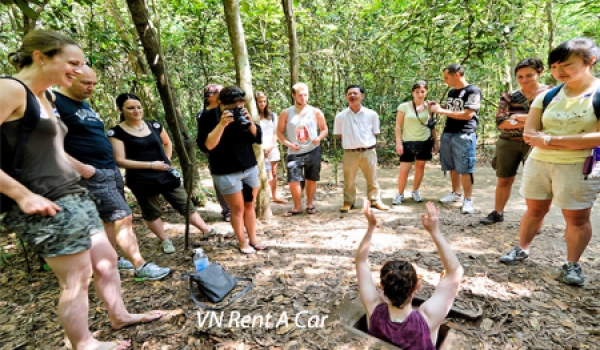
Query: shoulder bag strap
x=417 y=113
x=211 y=308
x=596 y=103
x=159 y=140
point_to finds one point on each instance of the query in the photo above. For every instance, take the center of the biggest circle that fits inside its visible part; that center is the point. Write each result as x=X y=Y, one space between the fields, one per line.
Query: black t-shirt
x=234 y=151
x=85 y=140
x=143 y=149
x=468 y=97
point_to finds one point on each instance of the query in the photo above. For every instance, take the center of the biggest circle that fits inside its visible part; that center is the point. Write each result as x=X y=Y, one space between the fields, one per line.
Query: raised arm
x=366 y=287
x=437 y=307
x=214 y=137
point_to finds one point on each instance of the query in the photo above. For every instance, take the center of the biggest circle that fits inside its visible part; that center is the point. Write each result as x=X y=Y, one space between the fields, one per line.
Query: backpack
x=11 y=159
x=554 y=91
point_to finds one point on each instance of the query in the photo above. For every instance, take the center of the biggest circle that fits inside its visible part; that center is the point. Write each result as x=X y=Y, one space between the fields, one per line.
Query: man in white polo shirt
x=358 y=127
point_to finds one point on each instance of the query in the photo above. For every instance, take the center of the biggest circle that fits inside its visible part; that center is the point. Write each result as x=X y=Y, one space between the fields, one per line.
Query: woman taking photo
x=562 y=129
x=52 y=213
x=414 y=140
x=393 y=318
x=144 y=149
x=511 y=115
x=227 y=134
x=268 y=124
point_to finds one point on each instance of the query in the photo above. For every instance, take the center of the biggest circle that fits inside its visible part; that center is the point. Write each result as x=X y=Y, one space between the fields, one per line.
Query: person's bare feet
x=110 y=345
x=134 y=319
x=279 y=201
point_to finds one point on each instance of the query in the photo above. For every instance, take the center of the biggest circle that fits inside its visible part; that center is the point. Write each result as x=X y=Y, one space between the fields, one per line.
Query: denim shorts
x=67 y=232
x=106 y=188
x=457 y=152
x=305 y=166
x=233 y=183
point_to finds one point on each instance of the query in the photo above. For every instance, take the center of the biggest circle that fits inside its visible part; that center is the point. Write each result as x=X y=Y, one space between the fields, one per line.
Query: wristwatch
x=547 y=140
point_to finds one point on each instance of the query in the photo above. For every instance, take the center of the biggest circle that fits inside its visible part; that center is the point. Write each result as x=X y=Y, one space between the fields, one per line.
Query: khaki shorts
x=151 y=206
x=67 y=232
x=509 y=154
x=562 y=183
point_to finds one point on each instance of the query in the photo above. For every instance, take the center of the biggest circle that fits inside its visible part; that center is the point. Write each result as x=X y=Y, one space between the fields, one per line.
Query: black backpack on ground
x=11 y=159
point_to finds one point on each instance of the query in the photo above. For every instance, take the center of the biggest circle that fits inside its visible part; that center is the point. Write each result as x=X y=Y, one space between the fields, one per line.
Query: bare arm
x=399 y=126
x=283 y=119
x=214 y=137
x=437 y=307
x=123 y=162
x=467 y=114
x=85 y=170
x=166 y=143
x=366 y=287
x=322 y=126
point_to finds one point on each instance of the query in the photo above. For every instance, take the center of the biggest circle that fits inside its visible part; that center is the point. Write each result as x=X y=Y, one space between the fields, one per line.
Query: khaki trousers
x=366 y=161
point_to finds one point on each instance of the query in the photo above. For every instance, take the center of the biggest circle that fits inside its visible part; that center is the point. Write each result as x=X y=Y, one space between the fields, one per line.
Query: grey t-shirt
x=302 y=129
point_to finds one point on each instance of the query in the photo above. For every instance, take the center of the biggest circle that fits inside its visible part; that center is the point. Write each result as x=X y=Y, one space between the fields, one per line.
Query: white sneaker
x=398 y=199
x=467 y=207
x=452 y=197
x=416 y=196
x=167 y=247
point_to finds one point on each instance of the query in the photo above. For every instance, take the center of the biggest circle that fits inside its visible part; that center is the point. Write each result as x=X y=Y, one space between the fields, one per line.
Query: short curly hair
x=399 y=280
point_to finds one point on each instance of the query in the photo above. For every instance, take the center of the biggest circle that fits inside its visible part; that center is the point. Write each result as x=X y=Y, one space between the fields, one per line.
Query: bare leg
x=273 y=184
x=455 y=179
x=467 y=185
x=296 y=192
x=196 y=220
x=250 y=219
x=403 y=176
x=532 y=220
x=107 y=283
x=578 y=232
x=503 y=189
x=419 y=173
x=236 y=204
x=121 y=232
x=311 y=189
x=158 y=227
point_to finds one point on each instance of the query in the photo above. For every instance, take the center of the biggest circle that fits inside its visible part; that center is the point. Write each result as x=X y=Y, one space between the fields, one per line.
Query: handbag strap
x=213 y=308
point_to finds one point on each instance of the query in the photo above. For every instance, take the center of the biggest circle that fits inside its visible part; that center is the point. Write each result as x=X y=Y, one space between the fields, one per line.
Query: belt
x=359 y=149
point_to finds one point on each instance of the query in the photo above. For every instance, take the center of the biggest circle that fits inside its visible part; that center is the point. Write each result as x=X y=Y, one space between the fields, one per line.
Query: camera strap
x=417 y=113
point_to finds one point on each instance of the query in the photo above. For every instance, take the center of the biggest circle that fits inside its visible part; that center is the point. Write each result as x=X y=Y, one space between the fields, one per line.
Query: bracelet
x=150 y=165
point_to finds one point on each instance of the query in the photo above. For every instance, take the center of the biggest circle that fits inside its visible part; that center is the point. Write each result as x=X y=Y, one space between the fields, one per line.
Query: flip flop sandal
x=247 y=251
x=212 y=233
x=117 y=344
x=311 y=210
x=260 y=246
x=291 y=213
x=227 y=217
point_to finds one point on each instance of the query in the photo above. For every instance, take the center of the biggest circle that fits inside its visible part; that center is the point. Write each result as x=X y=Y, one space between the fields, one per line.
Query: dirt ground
x=308 y=272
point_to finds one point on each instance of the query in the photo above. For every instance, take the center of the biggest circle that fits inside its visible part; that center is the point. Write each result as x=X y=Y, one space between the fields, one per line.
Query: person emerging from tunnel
x=392 y=318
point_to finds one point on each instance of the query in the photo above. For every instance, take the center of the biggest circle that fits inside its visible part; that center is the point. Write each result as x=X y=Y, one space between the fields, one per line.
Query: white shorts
x=275 y=156
x=562 y=183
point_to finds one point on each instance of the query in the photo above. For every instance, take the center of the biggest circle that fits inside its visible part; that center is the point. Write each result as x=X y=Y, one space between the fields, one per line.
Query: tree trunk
x=244 y=80
x=288 y=10
x=551 y=28
x=184 y=146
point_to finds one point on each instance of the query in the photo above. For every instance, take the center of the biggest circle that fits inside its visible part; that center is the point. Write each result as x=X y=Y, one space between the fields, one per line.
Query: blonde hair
x=299 y=87
x=47 y=42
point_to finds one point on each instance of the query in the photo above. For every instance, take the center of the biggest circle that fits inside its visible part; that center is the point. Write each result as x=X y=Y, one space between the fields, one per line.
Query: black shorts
x=106 y=188
x=419 y=150
x=305 y=166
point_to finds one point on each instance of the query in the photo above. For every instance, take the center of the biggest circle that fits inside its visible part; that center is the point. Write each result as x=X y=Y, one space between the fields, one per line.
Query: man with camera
x=457 y=149
x=299 y=123
x=92 y=154
x=226 y=134
x=358 y=128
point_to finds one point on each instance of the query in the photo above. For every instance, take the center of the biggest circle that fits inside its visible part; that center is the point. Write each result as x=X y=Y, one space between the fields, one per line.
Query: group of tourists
x=68 y=192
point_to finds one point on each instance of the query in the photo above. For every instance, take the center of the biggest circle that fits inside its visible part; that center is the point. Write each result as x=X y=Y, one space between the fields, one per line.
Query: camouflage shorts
x=68 y=232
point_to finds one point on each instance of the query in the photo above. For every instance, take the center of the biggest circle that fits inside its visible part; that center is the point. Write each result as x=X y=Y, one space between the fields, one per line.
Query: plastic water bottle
x=200 y=259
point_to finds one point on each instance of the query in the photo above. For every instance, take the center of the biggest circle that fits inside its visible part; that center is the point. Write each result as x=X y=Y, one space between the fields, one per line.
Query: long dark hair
x=585 y=48
x=398 y=280
x=267 y=112
x=121 y=101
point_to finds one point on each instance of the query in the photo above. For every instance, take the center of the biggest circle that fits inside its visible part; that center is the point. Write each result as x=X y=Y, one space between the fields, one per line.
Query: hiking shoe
x=345 y=208
x=167 y=247
x=514 y=256
x=492 y=218
x=124 y=264
x=152 y=272
x=571 y=274
x=398 y=199
x=452 y=197
x=467 y=207
x=416 y=196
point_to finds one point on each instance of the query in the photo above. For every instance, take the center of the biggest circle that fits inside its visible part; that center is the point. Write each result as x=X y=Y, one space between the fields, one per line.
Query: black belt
x=359 y=149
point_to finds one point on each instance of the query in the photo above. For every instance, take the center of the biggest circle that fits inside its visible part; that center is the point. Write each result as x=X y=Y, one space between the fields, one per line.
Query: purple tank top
x=411 y=334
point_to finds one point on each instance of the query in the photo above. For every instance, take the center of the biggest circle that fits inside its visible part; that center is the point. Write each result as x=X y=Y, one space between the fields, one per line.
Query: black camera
x=175 y=173
x=238 y=115
x=431 y=123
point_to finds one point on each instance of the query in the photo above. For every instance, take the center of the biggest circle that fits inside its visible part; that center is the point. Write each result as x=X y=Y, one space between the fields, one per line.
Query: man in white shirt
x=358 y=127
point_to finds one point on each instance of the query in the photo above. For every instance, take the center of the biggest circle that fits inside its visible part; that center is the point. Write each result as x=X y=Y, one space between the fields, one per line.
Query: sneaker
x=124 y=264
x=452 y=197
x=514 y=256
x=152 y=272
x=398 y=199
x=416 y=196
x=167 y=247
x=467 y=207
x=571 y=274
x=492 y=218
